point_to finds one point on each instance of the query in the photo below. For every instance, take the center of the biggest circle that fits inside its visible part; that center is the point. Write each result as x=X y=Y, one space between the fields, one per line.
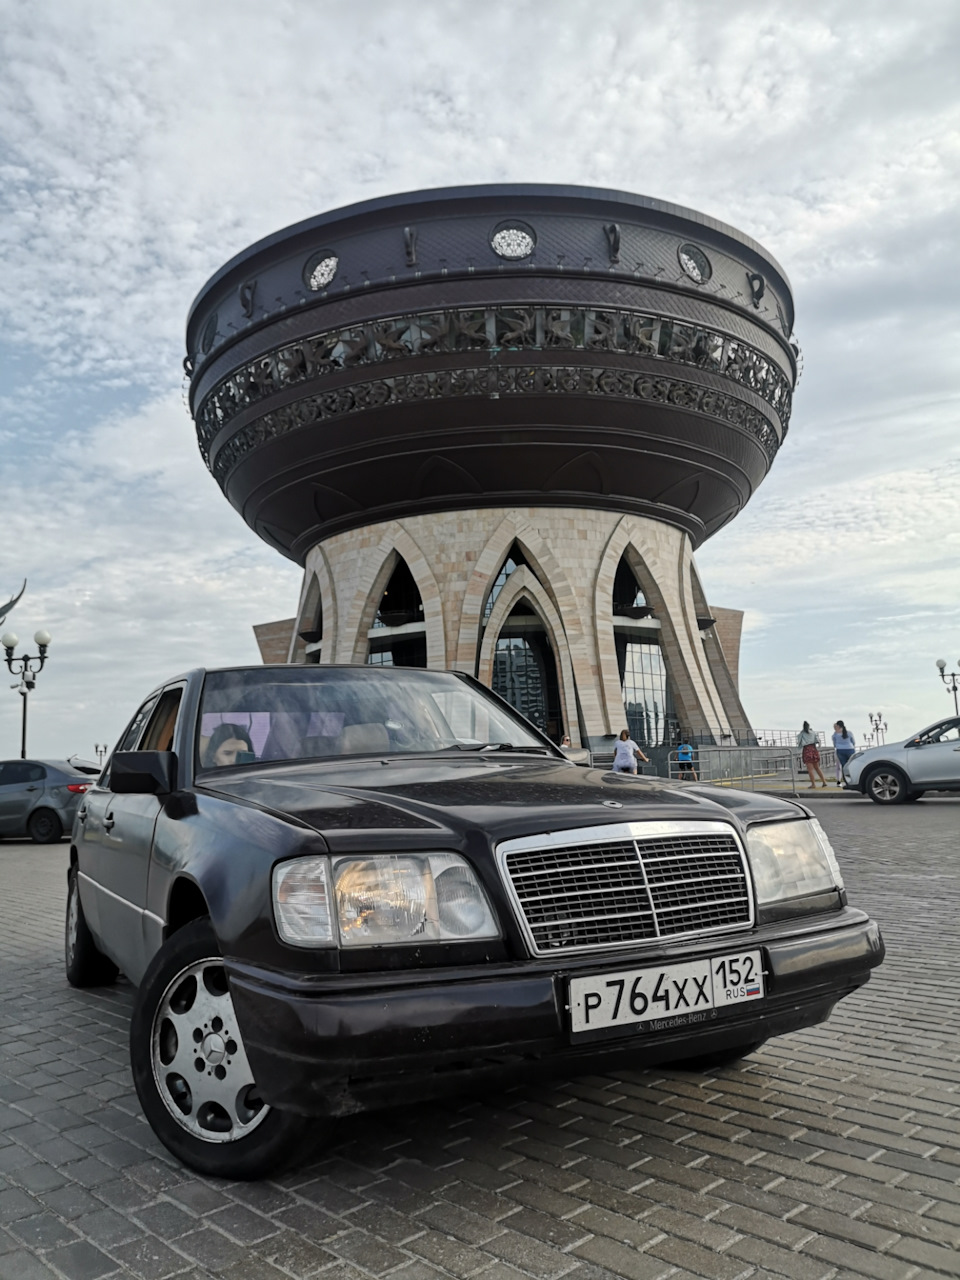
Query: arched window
x=311 y=621
x=525 y=670
x=514 y=559
x=647 y=695
x=627 y=592
x=398 y=635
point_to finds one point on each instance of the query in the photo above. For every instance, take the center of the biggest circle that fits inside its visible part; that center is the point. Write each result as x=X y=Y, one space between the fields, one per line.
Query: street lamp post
x=27 y=667
x=101 y=751
x=952 y=680
x=878 y=727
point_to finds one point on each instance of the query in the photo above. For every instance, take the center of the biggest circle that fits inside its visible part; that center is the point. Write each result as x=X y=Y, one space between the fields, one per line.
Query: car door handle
x=31 y=788
x=109 y=822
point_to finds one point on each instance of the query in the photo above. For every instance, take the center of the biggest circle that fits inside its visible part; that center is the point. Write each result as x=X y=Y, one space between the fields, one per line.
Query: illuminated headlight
x=791 y=860
x=397 y=898
x=301 y=902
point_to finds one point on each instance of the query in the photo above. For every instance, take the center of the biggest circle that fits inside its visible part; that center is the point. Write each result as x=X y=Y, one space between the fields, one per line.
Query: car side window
x=159 y=734
x=132 y=736
x=946 y=732
x=22 y=771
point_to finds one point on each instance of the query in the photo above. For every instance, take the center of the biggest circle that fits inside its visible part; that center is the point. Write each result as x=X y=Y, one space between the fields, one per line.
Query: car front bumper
x=343 y=1043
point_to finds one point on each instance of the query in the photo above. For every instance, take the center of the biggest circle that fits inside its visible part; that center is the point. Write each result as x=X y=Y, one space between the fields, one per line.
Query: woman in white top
x=843 y=745
x=626 y=754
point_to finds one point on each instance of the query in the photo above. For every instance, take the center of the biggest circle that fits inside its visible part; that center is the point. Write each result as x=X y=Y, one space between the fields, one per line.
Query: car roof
x=304 y=668
x=63 y=765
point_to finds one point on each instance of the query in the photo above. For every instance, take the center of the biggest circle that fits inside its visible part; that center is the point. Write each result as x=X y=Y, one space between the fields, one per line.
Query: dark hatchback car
x=40 y=798
x=343 y=887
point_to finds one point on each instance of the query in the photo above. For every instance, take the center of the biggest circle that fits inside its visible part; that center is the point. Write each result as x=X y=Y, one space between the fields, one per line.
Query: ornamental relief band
x=493 y=329
x=403 y=388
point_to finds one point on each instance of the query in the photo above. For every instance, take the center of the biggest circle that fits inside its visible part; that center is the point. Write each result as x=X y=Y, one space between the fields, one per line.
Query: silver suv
x=900 y=771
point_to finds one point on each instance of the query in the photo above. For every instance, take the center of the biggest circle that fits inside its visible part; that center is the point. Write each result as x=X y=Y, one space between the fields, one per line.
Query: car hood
x=882 y=752
x=433 y=800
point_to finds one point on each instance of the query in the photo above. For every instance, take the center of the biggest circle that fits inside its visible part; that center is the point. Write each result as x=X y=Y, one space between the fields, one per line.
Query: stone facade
x=572 y=556
x=274 y=639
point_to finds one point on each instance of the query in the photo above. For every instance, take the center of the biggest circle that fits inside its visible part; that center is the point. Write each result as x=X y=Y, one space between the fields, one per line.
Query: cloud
x=138 y=568
x=142 y=146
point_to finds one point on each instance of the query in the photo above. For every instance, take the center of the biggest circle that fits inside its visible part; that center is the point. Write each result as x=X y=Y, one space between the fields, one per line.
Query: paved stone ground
x=828 y=1153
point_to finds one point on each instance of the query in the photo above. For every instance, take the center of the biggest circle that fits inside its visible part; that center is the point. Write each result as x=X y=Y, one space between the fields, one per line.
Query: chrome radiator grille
x=588 y=893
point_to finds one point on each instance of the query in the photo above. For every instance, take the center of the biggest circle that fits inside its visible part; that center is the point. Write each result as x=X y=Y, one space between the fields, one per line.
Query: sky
x=141 y=146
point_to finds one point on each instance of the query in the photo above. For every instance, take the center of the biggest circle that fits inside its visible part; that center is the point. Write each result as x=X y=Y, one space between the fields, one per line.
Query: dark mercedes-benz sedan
x=339 y=888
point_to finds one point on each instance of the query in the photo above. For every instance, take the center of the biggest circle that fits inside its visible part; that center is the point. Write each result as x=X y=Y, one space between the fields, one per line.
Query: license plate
x=672 y=993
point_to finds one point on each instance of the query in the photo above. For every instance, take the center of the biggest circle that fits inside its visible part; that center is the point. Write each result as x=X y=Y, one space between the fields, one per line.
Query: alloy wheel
x=199 y=1064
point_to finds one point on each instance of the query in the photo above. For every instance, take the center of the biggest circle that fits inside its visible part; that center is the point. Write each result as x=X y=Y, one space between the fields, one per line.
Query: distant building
x=493 y=424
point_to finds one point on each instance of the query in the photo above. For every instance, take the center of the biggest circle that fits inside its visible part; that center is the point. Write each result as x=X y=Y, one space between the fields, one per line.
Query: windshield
x=260 y=714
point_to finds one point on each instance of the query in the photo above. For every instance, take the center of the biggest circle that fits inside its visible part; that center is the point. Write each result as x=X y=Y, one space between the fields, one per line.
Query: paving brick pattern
x=829 y=1153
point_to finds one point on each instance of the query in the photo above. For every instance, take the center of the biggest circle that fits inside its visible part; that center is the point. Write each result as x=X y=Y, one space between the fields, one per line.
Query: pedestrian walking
x=843 y=747
x=809 y=744
x=626 y=754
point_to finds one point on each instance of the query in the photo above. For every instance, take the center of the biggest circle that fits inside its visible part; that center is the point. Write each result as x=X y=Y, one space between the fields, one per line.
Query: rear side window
x=20 y=771
x=130 y=739
x=159 y=734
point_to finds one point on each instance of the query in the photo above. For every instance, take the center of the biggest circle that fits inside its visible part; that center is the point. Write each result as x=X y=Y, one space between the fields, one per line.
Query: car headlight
x=397 y=898
x=791 y=860
x=301 y=902
x=380 y=900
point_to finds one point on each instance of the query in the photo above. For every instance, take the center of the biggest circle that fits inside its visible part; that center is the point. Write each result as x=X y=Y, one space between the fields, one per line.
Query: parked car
x=346 y=887
x=902 y=771
x=39 y=798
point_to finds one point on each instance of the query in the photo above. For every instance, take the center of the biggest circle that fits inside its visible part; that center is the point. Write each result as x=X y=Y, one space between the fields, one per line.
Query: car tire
x=915 y=795
x=720 y=1057
x=85 y=965
x=191 y=1071
x=886 y=785
x=44 y=827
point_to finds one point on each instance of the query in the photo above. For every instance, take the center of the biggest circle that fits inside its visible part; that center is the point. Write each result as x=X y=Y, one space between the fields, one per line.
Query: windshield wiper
x=498 y=746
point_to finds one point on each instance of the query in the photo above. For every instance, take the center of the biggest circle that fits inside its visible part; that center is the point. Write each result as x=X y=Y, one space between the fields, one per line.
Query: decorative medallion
x=320 y=269
x=209 y=333
x=695 y=263
x=513 y=240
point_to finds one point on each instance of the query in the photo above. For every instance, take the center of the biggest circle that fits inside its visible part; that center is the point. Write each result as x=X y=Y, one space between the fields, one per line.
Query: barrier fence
x=760 y=768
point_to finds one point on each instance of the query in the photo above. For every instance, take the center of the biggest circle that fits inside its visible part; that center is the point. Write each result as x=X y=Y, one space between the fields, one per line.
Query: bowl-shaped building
x=493 y=423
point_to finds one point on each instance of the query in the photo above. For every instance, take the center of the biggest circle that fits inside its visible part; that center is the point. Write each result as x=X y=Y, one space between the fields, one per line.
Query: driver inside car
x=224 y=745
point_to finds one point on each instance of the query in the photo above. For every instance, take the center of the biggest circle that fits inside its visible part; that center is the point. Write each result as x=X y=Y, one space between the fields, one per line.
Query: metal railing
x=760 y=768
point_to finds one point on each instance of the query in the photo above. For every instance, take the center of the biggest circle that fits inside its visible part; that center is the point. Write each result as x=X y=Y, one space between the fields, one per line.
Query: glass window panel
x=647 y=697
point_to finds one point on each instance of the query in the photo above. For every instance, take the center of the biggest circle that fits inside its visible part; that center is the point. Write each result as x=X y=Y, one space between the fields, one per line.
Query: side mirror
x=143 y=773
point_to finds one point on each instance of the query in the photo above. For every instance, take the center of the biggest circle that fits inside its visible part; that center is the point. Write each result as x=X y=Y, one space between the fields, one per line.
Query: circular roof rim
x=492 y=190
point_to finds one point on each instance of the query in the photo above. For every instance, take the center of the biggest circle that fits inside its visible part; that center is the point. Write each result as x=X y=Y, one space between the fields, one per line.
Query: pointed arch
x=514 y=559
x=656 y=554
x=720 y=721
x=628 y=594
x=521 y=527
x=722 y=666
x=540 y=559
x=523 y=585
x=309 y=624
x=318 y=574
x=377 y=566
